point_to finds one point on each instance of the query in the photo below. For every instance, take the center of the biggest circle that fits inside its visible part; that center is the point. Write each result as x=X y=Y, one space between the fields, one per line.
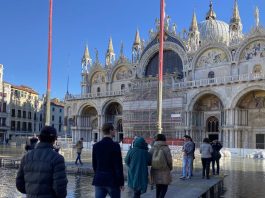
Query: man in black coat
x=107 y=165
x=42 y=170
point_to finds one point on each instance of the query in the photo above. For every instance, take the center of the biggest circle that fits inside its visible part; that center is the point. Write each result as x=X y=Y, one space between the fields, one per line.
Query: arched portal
x=250 y=115
x=207 y=117
x=113 y=114
x=87 y=124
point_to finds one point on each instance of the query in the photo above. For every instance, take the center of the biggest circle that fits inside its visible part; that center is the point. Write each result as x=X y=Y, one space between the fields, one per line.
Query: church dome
x=214 y=30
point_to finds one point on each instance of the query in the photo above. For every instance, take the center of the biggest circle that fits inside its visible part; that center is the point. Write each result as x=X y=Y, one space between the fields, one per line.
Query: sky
x=24 y=33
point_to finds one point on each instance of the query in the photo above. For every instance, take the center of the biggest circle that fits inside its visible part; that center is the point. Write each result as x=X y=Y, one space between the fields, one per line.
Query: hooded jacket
x=137 y=160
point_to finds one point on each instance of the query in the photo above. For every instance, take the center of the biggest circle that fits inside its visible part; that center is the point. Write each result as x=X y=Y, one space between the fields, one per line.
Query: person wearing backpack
x=138 y=159
x=161 y=165
x=217 y=146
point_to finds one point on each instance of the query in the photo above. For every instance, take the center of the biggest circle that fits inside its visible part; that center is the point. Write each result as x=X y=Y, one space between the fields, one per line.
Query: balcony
x=95 y=95
x=218 y=81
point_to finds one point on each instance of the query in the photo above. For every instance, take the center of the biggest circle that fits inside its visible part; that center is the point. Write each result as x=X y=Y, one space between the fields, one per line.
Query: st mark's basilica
x=213 y=85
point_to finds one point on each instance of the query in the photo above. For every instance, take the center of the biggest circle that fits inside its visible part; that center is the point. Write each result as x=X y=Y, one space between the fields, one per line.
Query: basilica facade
x=213 y=85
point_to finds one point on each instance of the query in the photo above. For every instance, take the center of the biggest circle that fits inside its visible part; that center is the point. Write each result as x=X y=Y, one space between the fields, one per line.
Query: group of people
x=108 y=168
x=42 y=171
x=210 y=153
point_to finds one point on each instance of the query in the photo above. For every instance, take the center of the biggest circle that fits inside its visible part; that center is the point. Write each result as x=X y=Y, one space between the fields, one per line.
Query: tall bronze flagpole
x=48 y=100
x=160 y=72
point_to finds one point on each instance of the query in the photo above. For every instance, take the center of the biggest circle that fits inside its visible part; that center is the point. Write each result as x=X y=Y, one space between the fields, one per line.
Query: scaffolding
x=140 y=109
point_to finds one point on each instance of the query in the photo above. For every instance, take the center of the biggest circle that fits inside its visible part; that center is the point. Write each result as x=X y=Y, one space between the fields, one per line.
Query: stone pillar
x=236 y=143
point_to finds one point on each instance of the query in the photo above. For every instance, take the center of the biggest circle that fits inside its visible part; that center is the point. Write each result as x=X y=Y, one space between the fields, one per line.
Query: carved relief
x=208 y=102
x=123 y=73
x=212 y=57
x=253 y=100
x=254 y=50
x=98 y=78
x=257 y=69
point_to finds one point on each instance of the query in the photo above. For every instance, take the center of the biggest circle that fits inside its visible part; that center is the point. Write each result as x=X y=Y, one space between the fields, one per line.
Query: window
x=24 y=114
x=18 y=126
x=13 y=113
x=24 y=126
x=4 y=107
x=3 y=122
x=211 y=74
x=29 y=115
x=35 y=116
x=60 y=127
x=60 y=110
x=98 y=89
x=53 y=109
x=60 y=119
x=122 y=87
x=29 y=126
x=19 y=113
x=13 y=125
x=52 y=117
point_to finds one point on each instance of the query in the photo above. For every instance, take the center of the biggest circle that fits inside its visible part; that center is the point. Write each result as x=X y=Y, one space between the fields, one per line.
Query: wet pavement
x=244 y=178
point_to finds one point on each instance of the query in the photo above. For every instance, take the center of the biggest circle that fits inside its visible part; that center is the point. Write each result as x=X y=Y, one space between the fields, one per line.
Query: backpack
x=159 y=160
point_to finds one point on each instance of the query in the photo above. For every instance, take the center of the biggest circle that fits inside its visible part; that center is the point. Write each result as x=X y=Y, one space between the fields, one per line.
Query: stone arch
x=197 y=96
x=81 y=108
x=243 y=92
x=95 y=72
x=118 y=68
x=112 y=111
x=208 y=48
x=245 y=45
x=154 y=49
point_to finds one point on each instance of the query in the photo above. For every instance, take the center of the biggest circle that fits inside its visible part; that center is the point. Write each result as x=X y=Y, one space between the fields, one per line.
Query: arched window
x=211 y=74
x=122 y=87
x=212 y=124
x=257 y=69
x=98 y=89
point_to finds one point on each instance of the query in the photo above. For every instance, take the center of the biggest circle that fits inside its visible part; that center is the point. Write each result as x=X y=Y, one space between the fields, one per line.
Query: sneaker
x=188 y=177
x=182 y=177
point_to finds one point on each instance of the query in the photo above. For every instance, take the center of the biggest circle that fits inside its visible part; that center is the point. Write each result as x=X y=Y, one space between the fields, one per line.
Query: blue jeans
x=78 y=158
x=187 y=166
x=103 y=191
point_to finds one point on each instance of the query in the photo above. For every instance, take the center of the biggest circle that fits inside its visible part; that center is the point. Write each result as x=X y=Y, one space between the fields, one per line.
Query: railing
x=219 y=81
x=96 y=95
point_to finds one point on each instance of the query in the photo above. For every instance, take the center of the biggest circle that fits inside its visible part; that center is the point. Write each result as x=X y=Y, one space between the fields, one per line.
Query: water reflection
x=78 y=186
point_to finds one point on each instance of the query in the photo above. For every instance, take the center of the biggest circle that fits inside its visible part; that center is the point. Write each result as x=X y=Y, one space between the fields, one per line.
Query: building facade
x=213 y=85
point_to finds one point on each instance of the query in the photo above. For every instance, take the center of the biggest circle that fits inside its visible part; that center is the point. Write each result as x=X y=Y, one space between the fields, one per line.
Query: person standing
x=188 y=155
x=206 y=157
x=107 y=165
x=138 y=159
x=217 y=146
x=79 y=148
x=42 y=170
x=161 y=177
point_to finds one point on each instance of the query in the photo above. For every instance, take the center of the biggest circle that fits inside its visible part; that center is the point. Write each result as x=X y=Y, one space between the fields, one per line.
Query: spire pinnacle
x=137 y=40
x=194 y=23
x=86 y=60
x=110 y=48
x=211 y=14
x=257 y=16
x=236 y=16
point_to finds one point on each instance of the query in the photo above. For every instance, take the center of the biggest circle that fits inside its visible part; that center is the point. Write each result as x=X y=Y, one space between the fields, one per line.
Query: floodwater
x=244 y=178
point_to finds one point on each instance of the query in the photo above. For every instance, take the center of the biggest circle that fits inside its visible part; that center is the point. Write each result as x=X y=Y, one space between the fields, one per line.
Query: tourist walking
x=138 y=159
x=216 y=155
x=79 y=148
x=188 y=155
x=161 y=165
x=42 y=171
x=206 y=157
x=107 y=165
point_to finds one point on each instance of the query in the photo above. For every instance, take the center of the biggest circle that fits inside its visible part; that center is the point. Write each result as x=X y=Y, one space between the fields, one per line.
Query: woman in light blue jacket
x=206 y=157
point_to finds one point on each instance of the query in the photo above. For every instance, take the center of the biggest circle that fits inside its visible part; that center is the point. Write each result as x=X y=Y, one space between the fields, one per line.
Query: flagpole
x=48 y=100
x=160 y=67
